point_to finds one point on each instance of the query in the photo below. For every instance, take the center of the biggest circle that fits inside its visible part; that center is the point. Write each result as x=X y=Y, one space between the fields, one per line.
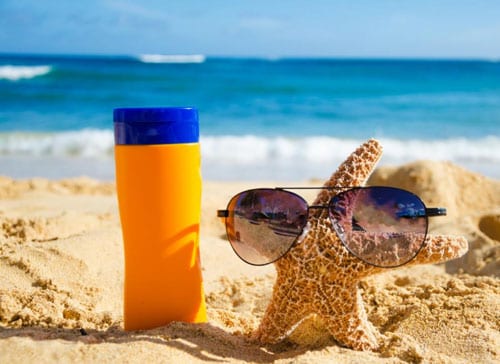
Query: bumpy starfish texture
x=318 y=276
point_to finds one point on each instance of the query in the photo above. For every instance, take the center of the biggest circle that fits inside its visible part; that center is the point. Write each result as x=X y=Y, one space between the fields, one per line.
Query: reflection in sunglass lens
x=263 y=224
x=382 y=226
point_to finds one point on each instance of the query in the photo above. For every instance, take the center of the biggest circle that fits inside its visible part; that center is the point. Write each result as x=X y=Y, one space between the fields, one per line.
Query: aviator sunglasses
x=383 y=226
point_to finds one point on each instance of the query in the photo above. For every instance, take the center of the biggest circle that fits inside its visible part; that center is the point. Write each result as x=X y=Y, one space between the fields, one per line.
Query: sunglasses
x=383 y=226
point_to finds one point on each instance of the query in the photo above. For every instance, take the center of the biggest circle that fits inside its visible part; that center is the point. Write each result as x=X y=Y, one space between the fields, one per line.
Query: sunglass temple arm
x=435 y=211
x=222 y=213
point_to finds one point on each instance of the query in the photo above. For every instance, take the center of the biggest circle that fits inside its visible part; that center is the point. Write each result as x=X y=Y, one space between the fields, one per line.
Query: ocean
x=260 y=119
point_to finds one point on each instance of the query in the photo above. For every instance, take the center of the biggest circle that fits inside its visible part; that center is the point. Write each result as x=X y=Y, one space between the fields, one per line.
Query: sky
x=262 y=28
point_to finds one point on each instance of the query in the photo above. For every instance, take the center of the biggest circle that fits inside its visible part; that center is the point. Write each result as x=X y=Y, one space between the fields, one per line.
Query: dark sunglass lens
x=263 y=224
x=382 y=226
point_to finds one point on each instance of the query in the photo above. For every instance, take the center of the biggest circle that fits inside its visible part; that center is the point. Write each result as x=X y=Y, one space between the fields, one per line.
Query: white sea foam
x=172 y=58
x=15 y=73
x=88 y=143
x=252 y=149
x=255 y=157
x=251 y=157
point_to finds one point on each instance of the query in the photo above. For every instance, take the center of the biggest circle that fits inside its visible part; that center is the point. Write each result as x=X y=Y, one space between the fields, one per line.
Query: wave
x=251 y=149
x=255 y=157
x=85 y=143
x=173 y=58
x=15 y=73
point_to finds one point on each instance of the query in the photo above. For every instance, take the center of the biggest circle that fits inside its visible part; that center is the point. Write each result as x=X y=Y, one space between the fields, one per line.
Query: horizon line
x=256 y=57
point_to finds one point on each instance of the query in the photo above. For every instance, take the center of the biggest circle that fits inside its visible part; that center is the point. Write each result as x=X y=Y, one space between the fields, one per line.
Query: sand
x=61 y=277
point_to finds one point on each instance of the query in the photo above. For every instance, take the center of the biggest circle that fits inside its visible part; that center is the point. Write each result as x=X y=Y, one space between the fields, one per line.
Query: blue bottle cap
x=156 y=125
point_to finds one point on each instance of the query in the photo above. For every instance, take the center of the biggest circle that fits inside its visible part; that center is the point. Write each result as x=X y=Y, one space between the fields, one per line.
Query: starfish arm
x=348 y=322
x=371 y=247
x=354 y=171
x=440 y=248
x=285 y=310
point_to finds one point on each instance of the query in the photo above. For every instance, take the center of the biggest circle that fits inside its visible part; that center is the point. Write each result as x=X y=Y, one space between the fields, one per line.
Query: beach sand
x=61 y=277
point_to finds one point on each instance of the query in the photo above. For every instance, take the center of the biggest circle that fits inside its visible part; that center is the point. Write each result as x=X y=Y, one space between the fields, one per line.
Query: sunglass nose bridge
x=318 y=207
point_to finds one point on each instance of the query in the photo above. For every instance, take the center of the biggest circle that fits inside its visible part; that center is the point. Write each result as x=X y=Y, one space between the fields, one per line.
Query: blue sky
x=325 y=28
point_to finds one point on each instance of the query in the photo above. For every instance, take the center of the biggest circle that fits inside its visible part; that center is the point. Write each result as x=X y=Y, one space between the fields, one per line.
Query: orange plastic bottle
x=158 y=182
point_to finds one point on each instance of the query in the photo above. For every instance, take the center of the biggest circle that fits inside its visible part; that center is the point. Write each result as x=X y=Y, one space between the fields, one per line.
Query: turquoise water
x=259 y=118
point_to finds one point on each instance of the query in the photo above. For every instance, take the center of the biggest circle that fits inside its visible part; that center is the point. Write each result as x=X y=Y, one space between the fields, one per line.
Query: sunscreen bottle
x=158 y=180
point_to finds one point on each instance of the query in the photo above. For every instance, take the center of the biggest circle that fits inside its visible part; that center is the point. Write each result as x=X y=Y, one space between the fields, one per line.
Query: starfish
x=319 y=277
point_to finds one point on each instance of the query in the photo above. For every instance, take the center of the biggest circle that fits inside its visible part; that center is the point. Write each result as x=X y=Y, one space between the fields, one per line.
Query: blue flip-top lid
x=156 y=125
